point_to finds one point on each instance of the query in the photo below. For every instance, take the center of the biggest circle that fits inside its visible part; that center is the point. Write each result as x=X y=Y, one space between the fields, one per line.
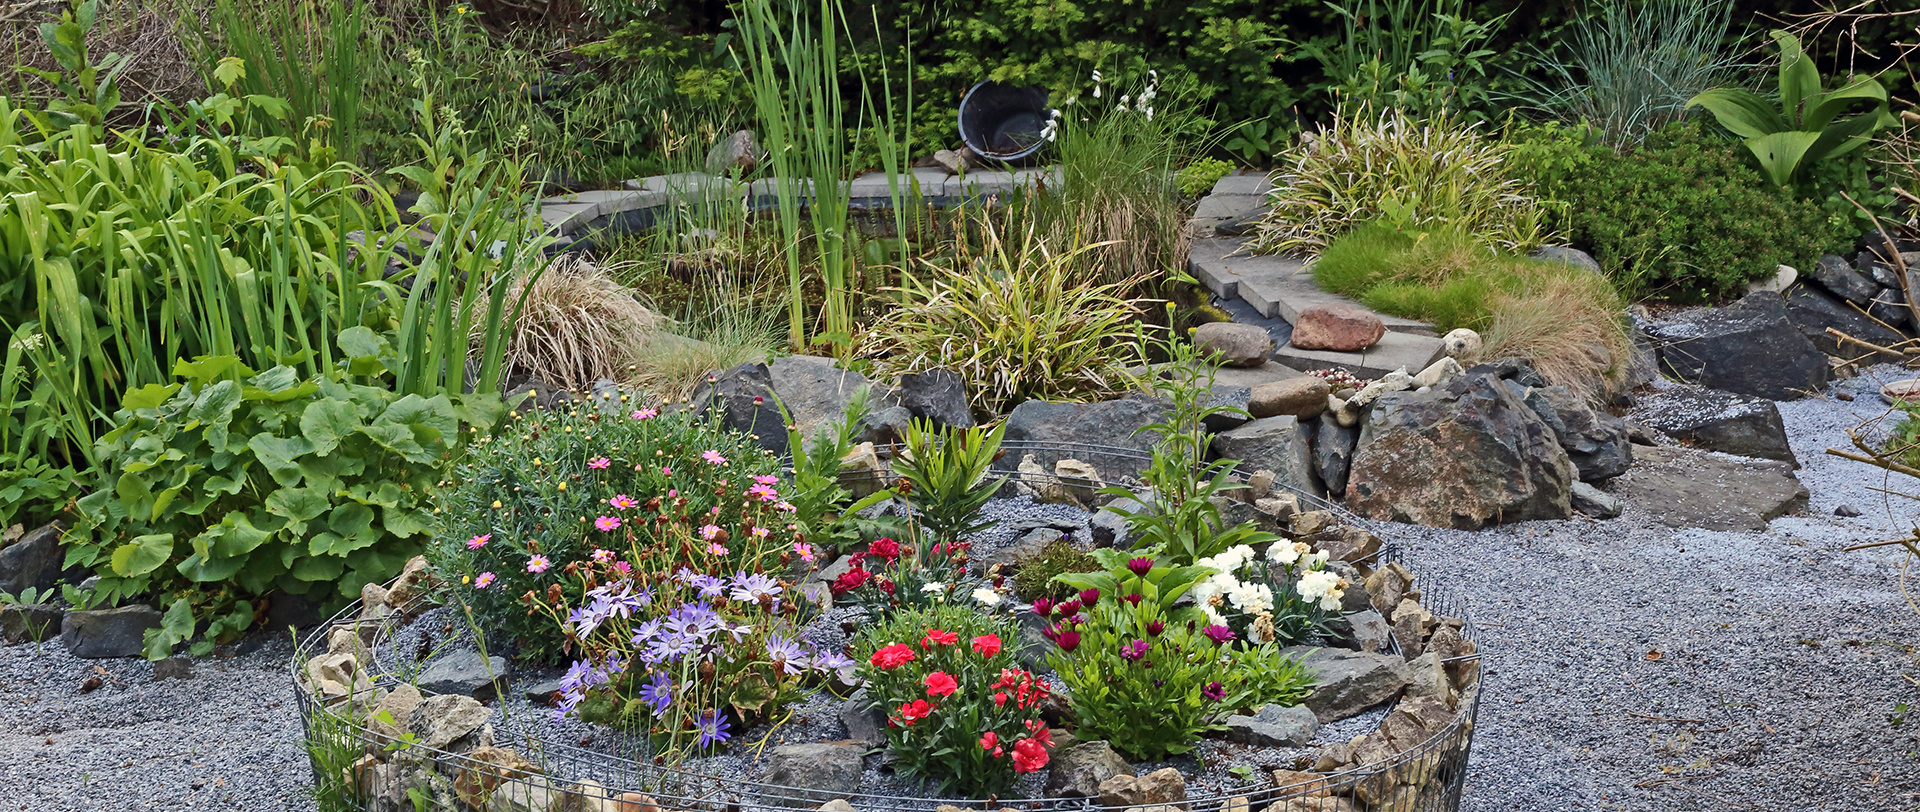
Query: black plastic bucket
x=1003 y=122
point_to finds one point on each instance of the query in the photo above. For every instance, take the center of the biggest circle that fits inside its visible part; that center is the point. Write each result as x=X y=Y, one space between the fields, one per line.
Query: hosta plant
x=960 y=711
x=1809 y=124
x=229 y=484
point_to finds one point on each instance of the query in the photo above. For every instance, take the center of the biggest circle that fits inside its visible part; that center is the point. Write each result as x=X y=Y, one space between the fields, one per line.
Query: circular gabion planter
x=379 y=743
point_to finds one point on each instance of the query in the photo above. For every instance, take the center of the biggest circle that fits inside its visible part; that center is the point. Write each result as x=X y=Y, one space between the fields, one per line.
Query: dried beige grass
x=578 y=325
x=1570 y=325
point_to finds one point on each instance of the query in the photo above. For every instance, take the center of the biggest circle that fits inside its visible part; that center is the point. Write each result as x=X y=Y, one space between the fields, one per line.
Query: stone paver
x=1395 y=351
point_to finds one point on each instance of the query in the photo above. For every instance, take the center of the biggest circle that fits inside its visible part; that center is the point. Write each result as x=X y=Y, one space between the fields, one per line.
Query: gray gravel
x=1781 y=660
x=228 y=738
x=1780 y=657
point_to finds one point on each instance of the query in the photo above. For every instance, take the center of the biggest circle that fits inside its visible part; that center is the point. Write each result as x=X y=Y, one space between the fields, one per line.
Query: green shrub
x=1414 y=174
x=1035 y=578
x=1197 y=179
x=541 y=486
x=228 y=484
x=1685 y=215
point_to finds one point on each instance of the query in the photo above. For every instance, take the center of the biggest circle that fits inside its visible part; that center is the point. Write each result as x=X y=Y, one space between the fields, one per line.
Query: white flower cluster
x=1052 y=129
x=1144 y=104
x=1322 y=586
x=1254 y=597
x=1224 y=587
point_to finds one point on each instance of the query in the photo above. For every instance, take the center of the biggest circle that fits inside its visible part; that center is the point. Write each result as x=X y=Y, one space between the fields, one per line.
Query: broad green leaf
x=329 y=543
x=319 y=568
x=298 y=504
x=1799 y=79
x=1742 y=113
x=230 y=69
x=363 y=342
x=1780 y=153
x=238 y=536
x=326 y=421
x=215 y=403
x=148 y=397
x=142 y=555
x=278 y=379
x=279 y=454
x=354 y=520
x=208 y=368
x=403 y=523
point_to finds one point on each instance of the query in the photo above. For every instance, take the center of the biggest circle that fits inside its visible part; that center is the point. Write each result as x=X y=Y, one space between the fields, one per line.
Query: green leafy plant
x=1149 y=573
x=1413 y=173
x=1629 y=69
x=1682 y=216
x=1809 y=125
x=960 y=711
x=1036 y=578
x=1256 y=142
x=824 y=507
x=1197 y=179
x=1018 y=322
x=1177 y=512
x=946 y=476
x=88 y=90
x=310 y=56
x=229 y=484
x=1421 y=57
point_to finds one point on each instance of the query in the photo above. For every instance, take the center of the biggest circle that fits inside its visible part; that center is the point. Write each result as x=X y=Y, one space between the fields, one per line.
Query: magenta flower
x=622 y=502
x=1134 y=650
x=1140 y=566
x=538 y=563
x=599 y=463
x=763 y=493
x=666 y=470
x=606 y=523
x=623 y=568
x=713 y=457
x=804 y=550
x=485 y=580
x=479 y=541
x=1214 y=691
x=768 y=480
x=1220 y=635
x=716 y=548
x=646 y=414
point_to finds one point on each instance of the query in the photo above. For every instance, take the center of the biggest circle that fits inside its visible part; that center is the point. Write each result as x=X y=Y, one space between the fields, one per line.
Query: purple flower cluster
x=607 y=602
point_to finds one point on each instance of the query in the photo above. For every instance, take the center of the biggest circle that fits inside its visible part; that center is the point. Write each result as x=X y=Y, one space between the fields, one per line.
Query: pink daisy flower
x=602 y=556
x=479 y=541
x=716 y=549
x=666 y=470
x=623 y=567
x=763 y=493
x=804 y=550
x=760 y=532
x=713 y=457
x=768 y=480
x=538 y=563
x=622 y=502
x=485 y=580
x=645 y=414
x=599 y=464
x=709 y=532
x=606 y=523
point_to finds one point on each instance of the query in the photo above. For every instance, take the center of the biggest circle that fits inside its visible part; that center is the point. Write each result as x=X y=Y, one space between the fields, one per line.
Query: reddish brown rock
x=1337 y=327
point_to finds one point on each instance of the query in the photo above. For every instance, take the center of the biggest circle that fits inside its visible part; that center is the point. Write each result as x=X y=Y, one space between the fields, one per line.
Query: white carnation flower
x=986 y=596
x=933 y=586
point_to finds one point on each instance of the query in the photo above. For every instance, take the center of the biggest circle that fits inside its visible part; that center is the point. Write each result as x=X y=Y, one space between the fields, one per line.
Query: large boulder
x=1106 y=423
x=816 y=392
x=1718 y=421
x=99 y=633
x=742 y=399
x=1337 y=327
x=1237 y=345
x=1236 y=397
x=1347 y=683
x=938 y=395
x=1814 y=311
x=29 y=622
x=1464 y=454
x=1834 y=273
x=1076 y=772
x=1750 y=347
x=1281 y=444
x=33 y=560
x=807 y=775
x=1162 y=787
x=1274 y=726
x=1686 y=488
x=1594 y=440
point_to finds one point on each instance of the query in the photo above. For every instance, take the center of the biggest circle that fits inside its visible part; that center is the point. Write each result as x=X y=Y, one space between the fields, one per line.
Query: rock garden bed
x=401 y=705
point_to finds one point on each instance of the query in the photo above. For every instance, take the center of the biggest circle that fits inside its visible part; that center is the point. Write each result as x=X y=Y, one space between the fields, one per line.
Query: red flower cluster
x=940 y=683
x=1027 y=691
x=938 y=637
x=1030 y=754
x=911 y=712
x=987 y=644
x=891 y=657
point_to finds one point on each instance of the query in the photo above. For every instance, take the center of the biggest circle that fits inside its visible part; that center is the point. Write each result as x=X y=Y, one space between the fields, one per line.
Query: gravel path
x=1630 y=666
x=1780 y=662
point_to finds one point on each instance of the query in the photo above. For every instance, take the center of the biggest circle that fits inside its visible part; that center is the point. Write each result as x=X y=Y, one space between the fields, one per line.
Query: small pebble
x=1848 y=511
x=1846 y=396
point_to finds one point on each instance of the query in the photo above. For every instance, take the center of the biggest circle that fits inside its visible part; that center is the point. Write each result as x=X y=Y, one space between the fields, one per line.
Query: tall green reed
x=310 y=53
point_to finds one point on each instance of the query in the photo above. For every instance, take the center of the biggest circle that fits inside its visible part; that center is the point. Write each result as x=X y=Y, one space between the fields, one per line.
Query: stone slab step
x=1395 y=350
x=1276 y=286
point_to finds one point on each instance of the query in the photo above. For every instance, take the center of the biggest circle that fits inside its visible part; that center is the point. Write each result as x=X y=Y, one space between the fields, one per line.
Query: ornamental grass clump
x=551 y=487
x=960 y=711
x=1413 y=173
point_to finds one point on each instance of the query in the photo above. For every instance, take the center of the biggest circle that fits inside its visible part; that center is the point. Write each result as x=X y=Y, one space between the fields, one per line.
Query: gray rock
x=1571 y=256
x=1889 y=306
x=865 y=724
x=1235 y=396
x=742 y=399
x=541 y=693
x=1879 y=270
x=1165 y=786
x=1718 y=421
x=1591 y=501
x=451 y=722
x=938 y=395
x=465 y=672
x=173 y=668
x=1076 y=772
x=1464 y=454
x=1333 y=452
x=1835 y=274
x=1813 y=311
x=1846 y=511
x=33 y=560
x=1348 y=682
x=1106 y=423
x=1302 y=397
x=29 y=622
x=816 y=393
x=1278 y=444
x=808 y=775
x=98 y=633
x=1110 y=528
x=1686 y=488
x=1749 y=347
x=1027 y=546
x=1275 y=726
x=737 y=151
x=1238 y=345
x=884 y=426
x=1364 y=630
x=1595 y=441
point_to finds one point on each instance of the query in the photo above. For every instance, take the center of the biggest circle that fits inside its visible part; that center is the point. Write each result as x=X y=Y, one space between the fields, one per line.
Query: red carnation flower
x=940 y=684
x=914 y=711
x=987 y=644
x=892 y=656
x=937 y=637
x=1029 y=756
